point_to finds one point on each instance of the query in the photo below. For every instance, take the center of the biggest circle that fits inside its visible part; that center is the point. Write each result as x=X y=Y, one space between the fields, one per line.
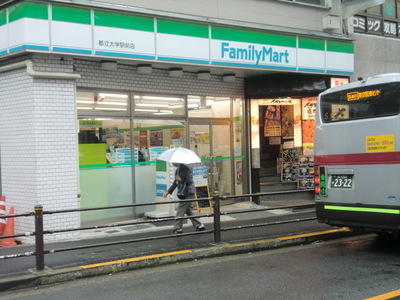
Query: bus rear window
x=361 y=103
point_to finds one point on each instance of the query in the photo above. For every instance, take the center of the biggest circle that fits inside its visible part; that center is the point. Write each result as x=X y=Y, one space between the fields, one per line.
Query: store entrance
x=212 y=140
x=276 y=134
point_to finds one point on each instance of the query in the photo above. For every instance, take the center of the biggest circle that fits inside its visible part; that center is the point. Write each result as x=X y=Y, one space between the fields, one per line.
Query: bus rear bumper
x=374 y=218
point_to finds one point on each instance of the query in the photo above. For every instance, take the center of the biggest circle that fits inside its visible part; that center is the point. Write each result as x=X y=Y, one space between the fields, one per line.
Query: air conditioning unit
x=331 y=22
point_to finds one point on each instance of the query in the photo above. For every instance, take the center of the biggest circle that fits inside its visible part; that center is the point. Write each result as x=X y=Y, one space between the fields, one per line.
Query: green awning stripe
x=246 y=36
x=363 y=209
x=3 y=17
x=313 y=44
x=28 y=10
x=102 y=18
x=182 y=28
x=337 y=46
x=71 y=14
x=102 y=166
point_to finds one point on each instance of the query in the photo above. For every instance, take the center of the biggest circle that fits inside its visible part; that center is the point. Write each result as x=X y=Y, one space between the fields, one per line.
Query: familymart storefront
x=98 y=94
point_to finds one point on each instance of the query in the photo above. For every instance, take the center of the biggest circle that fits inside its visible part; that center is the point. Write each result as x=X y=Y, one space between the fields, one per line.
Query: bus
x=357 y=155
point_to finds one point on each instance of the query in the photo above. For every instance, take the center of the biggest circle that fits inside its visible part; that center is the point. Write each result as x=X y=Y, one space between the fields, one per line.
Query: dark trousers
x=185 y=208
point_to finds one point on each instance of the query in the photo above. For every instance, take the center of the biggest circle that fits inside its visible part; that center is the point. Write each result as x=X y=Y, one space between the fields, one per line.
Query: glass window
x=155 y=105
x=209 y=107
x=310 y=2
x=389 y=9
x=361 y=103
x=102 y=103
x=105 y=164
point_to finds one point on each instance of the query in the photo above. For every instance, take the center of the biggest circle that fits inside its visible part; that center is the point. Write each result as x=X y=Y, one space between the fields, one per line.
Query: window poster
x=287 y=121
x=177 y=137
x=143 y=139
x=308 y=106
x=272 y=124
x=308 y=120
x=156 y=137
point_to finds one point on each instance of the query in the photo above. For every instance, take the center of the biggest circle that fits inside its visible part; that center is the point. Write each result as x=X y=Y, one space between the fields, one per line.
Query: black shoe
x=201 y=228
x=177 y=231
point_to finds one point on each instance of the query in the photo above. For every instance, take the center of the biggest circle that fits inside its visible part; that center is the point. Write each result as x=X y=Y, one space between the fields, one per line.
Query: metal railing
x=39 y=213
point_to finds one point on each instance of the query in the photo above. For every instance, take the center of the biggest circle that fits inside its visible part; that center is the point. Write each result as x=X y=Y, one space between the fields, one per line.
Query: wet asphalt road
x=357 y=267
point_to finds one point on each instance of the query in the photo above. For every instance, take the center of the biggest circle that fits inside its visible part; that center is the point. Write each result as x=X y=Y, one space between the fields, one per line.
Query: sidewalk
x=70 y=265
x=145 y=228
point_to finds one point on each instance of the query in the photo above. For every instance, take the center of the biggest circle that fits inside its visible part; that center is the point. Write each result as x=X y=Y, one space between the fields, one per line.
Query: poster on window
x=177 y=137
x=143 y=139
x=287 y=121
x=272 y=124
x=156 y=137
x=308 y=106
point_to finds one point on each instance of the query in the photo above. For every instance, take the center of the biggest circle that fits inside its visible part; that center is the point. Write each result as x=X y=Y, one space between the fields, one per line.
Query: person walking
x=185 y=190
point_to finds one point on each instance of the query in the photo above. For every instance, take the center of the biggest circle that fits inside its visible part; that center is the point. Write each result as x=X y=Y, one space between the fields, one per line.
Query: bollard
x=39 y=238
x=217 y=218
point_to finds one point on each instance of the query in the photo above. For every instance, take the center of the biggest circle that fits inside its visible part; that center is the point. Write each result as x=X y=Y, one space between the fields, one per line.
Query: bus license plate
x=342 y=181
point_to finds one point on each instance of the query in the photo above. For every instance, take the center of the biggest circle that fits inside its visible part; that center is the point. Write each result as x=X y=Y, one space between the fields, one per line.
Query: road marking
x=385 y=296
x=135 y=259
x=291 y=237
x=226 y=246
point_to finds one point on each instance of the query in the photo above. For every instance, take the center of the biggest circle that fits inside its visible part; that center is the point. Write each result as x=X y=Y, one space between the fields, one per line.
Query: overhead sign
x=48 y=27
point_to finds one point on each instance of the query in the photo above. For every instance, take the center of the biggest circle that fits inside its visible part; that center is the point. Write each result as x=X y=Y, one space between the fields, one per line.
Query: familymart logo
x=252 y=53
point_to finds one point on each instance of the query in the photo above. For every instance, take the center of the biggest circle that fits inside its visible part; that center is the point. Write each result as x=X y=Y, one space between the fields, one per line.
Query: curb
x=49 y=276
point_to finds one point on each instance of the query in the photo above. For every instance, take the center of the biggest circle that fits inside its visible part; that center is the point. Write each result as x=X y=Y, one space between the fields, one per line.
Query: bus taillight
x=319 y=181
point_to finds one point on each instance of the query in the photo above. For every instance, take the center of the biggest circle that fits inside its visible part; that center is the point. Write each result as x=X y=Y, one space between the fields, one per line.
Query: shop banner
x=29 y=26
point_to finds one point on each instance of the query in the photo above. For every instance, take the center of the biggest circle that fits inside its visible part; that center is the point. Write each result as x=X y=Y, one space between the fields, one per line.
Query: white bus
x=357 y=154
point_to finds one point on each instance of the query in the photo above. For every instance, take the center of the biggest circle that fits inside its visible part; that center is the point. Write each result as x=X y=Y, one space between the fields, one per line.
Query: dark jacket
x=185 y=186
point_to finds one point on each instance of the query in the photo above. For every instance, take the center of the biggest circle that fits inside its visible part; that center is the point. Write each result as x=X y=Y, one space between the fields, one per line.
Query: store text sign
x=258 y=55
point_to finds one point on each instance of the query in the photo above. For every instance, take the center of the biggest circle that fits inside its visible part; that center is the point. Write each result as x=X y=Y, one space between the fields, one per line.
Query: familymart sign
x=32 y=27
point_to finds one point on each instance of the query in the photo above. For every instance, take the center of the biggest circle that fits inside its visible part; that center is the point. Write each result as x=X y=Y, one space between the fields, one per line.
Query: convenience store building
x=90 y=96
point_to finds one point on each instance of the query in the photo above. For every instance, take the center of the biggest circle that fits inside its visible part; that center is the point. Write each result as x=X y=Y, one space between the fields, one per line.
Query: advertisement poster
x=177 y=137
x=200 y=175
x=156 y=137
x=272 y=124
x=239 y=172
x=308 y=106
x=143 y=139
x=287 y=121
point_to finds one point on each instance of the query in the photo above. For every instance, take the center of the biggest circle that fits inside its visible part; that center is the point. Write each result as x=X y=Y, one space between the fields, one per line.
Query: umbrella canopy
x=180 y=155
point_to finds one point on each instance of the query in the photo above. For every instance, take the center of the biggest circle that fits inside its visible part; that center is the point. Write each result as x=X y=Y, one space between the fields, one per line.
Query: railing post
x=39 y=243
x=217 y=218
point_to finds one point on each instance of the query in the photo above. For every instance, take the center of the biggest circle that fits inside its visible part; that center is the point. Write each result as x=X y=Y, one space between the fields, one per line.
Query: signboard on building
x=46 y=27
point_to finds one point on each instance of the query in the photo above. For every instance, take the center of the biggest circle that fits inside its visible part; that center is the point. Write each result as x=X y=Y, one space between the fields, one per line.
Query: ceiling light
x=152 y=105
x=111 y=103
x=176 y=106
x=161 y=98
x=124 y=96
x=146 y=110
x=110 y=108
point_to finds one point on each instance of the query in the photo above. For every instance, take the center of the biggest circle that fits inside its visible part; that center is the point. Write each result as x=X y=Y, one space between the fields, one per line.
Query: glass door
x=212 y=141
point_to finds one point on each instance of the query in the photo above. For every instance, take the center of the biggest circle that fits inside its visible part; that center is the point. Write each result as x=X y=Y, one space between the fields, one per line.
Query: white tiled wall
x=38 y=146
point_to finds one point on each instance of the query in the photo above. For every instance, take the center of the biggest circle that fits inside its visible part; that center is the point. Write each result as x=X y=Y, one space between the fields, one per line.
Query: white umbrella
x=180 y=155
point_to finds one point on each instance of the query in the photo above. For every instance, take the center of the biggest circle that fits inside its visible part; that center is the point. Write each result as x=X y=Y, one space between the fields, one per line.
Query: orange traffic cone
x=9 y=230
x=2 y=213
